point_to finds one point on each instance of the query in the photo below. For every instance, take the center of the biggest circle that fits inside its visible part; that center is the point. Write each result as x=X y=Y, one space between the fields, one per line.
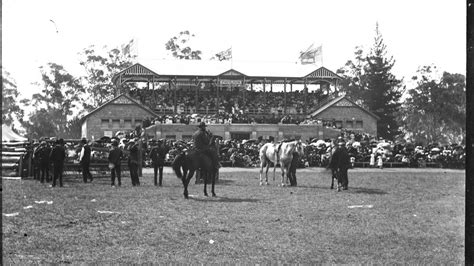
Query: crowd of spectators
x=364 y=150
x=234 y=105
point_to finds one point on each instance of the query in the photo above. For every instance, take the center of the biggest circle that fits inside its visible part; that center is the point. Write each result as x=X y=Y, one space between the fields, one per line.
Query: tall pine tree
x=383 y=90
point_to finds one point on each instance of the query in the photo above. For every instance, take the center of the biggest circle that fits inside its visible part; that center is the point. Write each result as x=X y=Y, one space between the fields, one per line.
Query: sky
x=416 y=32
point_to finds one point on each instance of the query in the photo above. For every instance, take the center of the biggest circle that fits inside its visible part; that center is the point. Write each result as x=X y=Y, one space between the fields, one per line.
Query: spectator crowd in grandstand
x=232 y=106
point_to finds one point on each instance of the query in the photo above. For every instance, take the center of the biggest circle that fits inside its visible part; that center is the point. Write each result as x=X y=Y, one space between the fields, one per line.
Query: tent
x=9 y=136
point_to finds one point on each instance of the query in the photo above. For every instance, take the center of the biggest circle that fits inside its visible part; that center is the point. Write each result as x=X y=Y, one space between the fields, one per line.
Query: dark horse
x=191 y=161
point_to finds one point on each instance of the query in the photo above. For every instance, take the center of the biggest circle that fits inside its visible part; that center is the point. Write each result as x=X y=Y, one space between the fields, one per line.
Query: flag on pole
x=224 y=55
x=311 y=55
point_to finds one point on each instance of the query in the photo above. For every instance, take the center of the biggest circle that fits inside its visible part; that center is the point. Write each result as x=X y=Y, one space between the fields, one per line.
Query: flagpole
x=231 y=58
x=322 y=62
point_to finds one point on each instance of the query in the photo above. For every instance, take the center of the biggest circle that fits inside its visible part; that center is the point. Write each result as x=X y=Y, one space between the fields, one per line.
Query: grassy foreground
x=386 y=216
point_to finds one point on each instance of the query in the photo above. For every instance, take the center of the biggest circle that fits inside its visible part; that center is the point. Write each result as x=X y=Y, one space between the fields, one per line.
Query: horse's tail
x=177 y=163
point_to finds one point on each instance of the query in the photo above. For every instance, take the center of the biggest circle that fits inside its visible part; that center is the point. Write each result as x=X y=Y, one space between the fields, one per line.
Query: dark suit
x=292 y=171
x=201 y=142
x=340 y=162
x=44 y=153
x=58 y=155
x=158 y=155
x=36 y=163
x=133 y=165
x=115 y=157
x=85 y=163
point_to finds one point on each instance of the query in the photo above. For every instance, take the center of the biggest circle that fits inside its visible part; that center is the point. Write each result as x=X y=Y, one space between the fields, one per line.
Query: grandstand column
x=217 y=93
x=175 y=85
x=254 y=135
x=284 y=93
x=196 y=96
x=243 y=92
x=280 y=135
x=305 y=108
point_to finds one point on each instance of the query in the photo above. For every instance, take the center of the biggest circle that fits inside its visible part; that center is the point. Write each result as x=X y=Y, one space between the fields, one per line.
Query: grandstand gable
x=122 y=99
x=231 y=73
x=341 y=101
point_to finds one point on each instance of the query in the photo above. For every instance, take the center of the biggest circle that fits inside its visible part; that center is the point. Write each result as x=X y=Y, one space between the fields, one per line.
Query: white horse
x=279 y=153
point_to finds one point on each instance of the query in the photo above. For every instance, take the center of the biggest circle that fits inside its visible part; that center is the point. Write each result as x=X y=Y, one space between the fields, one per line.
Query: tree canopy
x=435 y=110
x=370 y=81
x=180 y=48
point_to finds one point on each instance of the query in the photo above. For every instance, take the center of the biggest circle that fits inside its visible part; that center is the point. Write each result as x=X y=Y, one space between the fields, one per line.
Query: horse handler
x=85 y=161
x=292 y=170
x=340 y=163
x=133 y=162
x=158 y=155
x=115 y=157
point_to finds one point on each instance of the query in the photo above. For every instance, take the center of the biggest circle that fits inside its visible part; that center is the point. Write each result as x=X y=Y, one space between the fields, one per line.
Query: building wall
x=127 y=116
x=346 y=114
x=253 y=131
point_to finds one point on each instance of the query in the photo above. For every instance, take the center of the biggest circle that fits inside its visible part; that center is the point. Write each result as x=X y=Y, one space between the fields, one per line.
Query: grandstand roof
x=193 y=71
x=122 y=99
x=341 y=101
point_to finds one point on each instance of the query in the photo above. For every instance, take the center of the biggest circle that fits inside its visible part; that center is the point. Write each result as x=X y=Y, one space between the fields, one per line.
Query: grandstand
x=232 y=96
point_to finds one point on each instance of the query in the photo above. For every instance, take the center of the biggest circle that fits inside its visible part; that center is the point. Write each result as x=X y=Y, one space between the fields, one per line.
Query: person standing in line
x=115 y=157
x=158 y=155
x=340 y=163
x=133 y=163
x=58 y=155
x=85 y=160
x=292 y=170
x=36 y=161
x=44 y=153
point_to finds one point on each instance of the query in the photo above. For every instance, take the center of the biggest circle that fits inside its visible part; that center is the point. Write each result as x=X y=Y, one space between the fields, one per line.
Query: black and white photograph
x=236 y=132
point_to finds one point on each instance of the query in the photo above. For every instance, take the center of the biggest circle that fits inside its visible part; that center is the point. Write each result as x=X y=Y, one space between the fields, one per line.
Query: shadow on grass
x=220 y=182
x=222 y=199
x=314 y=187
x=363 y=190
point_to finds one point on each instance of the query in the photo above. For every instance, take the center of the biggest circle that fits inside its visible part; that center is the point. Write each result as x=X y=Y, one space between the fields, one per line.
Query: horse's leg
x=185 y=183
x=204 y=175
x=339 y=180
x=266 y=174
x=332 y=179
x=262 y=164
x=274 y=170
x=188 y=178
x=282 y=166
x=214 y=174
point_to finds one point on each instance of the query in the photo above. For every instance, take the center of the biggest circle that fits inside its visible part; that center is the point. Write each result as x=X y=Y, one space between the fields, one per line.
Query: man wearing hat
x=115 y=157
x=43 y=153
x=36 y=160
x=157 y=156
x=201 y=142
x=85 y=160
x=340 y=162
x=58 y=155
x=133 y=162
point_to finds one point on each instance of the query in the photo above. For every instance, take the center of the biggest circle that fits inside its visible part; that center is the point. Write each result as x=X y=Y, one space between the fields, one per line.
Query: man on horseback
x=201 y=142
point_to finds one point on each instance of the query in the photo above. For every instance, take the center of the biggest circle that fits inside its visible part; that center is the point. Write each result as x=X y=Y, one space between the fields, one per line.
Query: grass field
x=401 y=216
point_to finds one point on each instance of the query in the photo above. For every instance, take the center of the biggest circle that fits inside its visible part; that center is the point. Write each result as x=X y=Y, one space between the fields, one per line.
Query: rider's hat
x=202 y=125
